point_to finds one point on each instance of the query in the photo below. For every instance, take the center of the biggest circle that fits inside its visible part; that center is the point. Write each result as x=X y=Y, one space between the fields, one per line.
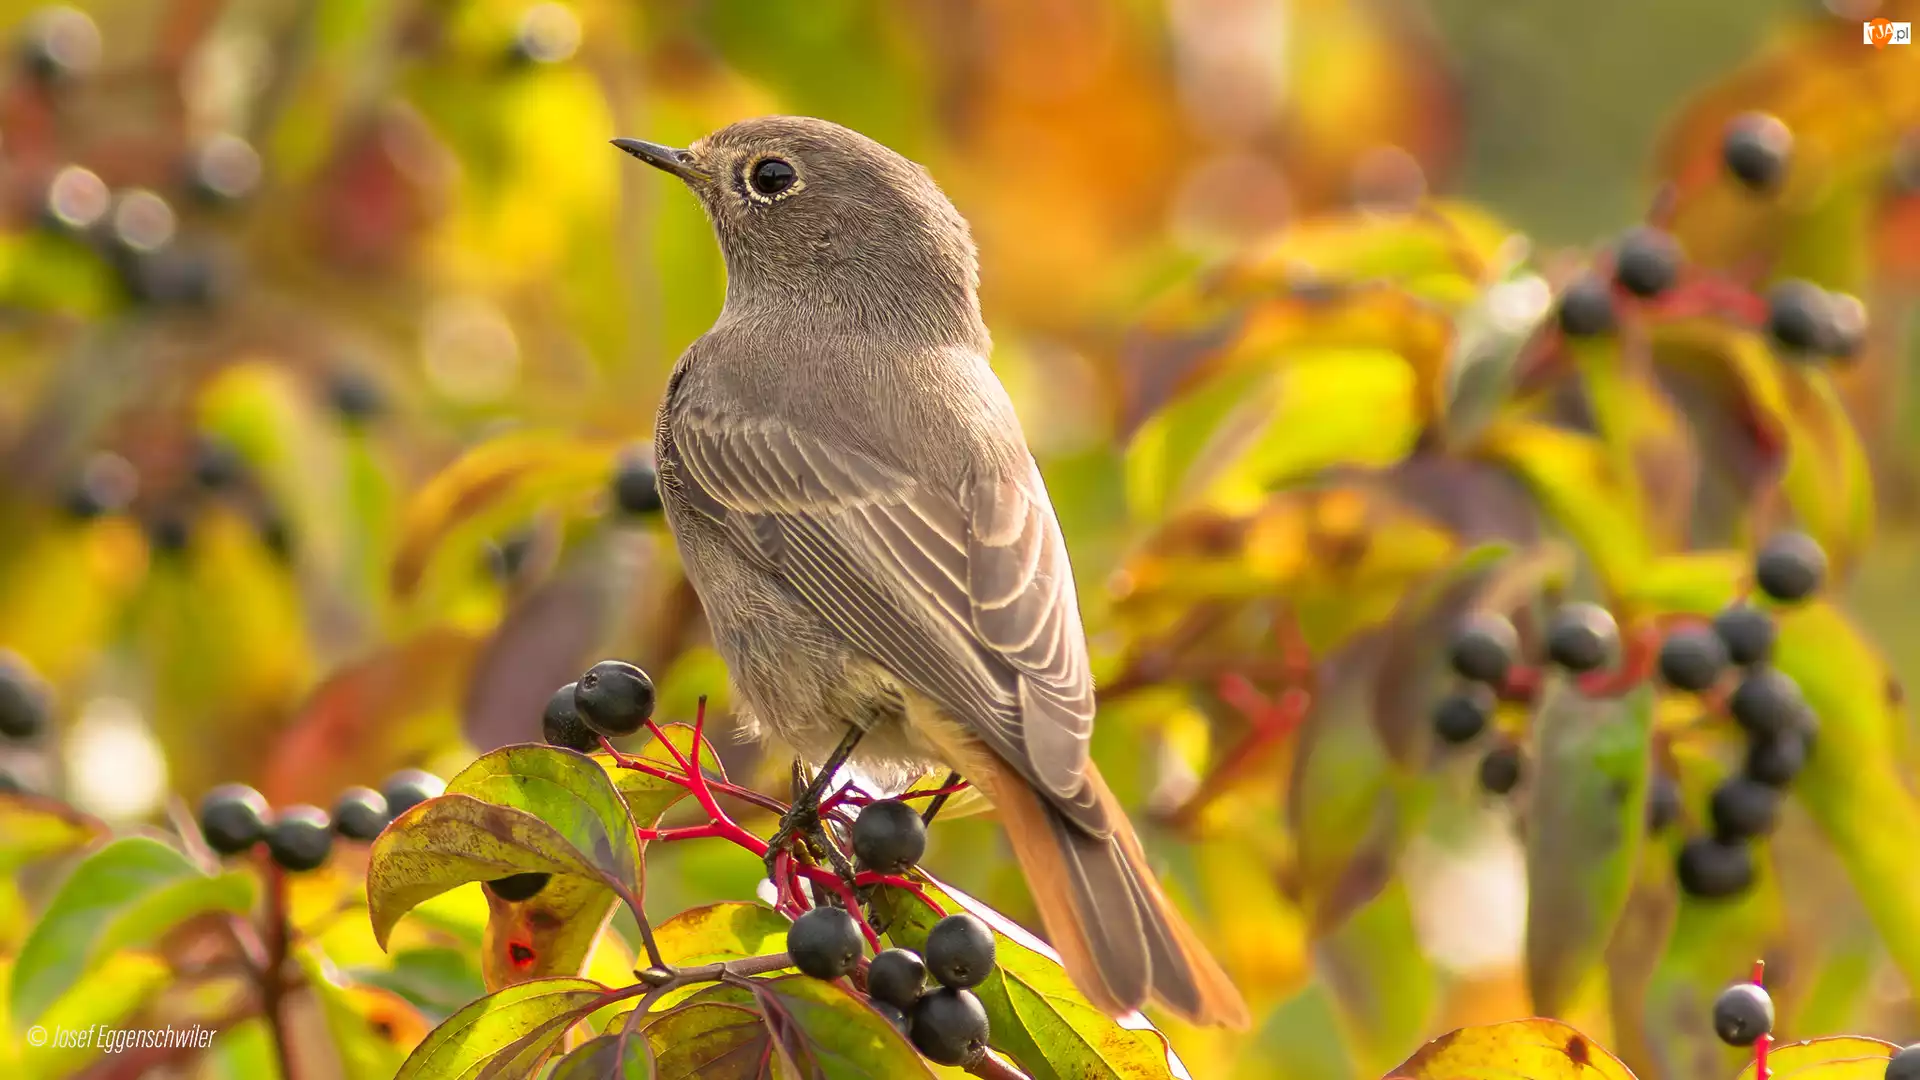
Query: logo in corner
x=1881 y=33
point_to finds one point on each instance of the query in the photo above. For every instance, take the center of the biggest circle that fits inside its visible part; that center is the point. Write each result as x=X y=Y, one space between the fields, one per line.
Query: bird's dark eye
x=771 y=176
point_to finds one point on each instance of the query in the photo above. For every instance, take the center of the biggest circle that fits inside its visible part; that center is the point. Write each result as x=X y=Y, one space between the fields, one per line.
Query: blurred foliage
x=325 y=327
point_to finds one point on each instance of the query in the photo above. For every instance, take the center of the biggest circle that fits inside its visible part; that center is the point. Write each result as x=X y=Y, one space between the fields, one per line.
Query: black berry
x=1776 y=759
x=1647 y=263
x=169 y=533
x=223 y=169
x=354 y=397
x=1741 y=1014
x=507 y=555
x=824 y=943
x=1713 y=870
x=1767 y=702
x=1484 y=647
x=360 y=813
x=548 y=34
x=1500 y=770
x=1905 y=1064
x=896 y=977
x=889 y=836
x=517 y=888
x=614 y=698
x=1663 y=801
x=1790 y=567
x=1747 y=632
x=893 y=1014
x=60 y=45
x=1582 y=637
x=216 y=465
x=636 y=487
x=1847 y=326
x=11 y=784
x=1461 y=716
x=959 y=951
x=1799 y=317
x=1743 y=809
x=1586 y=309
x=300 y=838
x=23 y=700
x=561 y=724
x=1692 y=659
x=409 y=788
x=233 y=818
x=1756 y=150
x=949 y=1027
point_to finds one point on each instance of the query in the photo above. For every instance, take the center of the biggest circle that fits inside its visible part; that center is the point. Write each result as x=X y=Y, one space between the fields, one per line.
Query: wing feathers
x=966 y=594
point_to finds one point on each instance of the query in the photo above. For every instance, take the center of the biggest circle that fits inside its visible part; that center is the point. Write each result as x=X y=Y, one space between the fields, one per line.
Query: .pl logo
x=1880 y=33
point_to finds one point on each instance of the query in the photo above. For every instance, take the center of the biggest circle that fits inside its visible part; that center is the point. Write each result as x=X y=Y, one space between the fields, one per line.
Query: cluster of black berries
x=946 y=1023
x=613 y=699
x=235 y=817
x=1580 y=638
x=636 y=487
x=1646 y=263
x=1779 y=725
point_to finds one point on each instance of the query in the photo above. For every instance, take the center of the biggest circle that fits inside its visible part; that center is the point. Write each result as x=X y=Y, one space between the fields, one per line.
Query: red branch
x=1765 y=1040
x=788 y=871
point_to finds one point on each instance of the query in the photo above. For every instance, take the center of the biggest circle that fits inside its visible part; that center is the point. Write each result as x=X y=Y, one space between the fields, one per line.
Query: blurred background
x=331 y=336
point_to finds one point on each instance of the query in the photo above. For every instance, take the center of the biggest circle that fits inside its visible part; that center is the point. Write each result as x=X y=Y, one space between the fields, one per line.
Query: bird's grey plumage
x=855 y=503
x=843 y=441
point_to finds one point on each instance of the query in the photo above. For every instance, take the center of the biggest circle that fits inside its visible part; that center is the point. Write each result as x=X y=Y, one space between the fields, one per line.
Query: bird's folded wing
x=965 y=595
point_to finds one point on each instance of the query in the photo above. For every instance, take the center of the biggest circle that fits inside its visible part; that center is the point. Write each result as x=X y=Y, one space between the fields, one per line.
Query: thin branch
x=992 y=1067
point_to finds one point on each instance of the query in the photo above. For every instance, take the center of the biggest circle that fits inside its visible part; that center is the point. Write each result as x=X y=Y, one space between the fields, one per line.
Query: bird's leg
x=803 y=818
x=934 y=804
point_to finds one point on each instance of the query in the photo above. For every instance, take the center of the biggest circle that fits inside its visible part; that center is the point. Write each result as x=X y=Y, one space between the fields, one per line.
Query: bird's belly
x=799 y=682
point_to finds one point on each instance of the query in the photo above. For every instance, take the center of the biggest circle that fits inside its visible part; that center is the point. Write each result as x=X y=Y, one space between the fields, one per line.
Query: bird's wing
x=965 y=595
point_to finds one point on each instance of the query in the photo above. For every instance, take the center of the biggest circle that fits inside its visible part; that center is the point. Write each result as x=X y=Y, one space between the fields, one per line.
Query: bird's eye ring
x=771 y=177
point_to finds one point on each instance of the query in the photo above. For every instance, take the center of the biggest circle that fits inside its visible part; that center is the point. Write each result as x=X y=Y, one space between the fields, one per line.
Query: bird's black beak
x=665 y=158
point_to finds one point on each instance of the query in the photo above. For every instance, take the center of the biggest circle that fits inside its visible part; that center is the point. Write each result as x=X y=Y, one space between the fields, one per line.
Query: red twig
x=788 y=871
x=1273 y=720
x=1760 y=1044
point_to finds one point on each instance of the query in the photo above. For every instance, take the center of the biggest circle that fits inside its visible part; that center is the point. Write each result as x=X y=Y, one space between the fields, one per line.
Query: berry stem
x=277 y=937
x=1272 y=722
x=1761 y=1044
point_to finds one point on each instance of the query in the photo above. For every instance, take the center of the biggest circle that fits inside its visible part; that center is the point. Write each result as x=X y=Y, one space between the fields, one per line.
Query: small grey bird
x=855 y=503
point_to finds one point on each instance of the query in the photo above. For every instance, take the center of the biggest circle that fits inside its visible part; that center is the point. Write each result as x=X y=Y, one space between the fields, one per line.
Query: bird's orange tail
x=1120 y=938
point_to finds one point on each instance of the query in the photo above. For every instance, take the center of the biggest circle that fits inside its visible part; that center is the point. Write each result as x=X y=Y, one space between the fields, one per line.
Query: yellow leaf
x=1842 y=1057
x=1536 y=1049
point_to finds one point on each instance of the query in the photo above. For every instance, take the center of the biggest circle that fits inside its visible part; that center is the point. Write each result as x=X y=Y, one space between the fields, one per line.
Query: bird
x=855 y=503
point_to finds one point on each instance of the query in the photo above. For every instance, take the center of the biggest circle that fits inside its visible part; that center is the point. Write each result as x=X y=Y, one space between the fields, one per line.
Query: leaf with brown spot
x=554 y=932
x=1537 y=1049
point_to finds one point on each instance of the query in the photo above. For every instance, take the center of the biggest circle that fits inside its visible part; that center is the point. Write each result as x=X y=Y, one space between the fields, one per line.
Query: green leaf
x=725 y=931
x=567 y=789
x=1035 y=1014
x=33 y=827
x=1854 y=786
x=1585 y=823
x=605 y=1057
x=109 y=994
x=436 y=980
x=241 y=1052
x=463 y=1044
x=1343 y=807
x=714 y=1039
x=1840 y=1057
x=1581 y=487
x=453 y=840
x=1402 y=705
x=521 y=808
x=361 y=1049
x=126 y=895
x=1381 y=980
x=815 y=1028
x=491 y=488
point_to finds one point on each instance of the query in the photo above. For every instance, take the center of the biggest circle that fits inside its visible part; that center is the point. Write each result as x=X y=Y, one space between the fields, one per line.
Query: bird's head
x=811 y=212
